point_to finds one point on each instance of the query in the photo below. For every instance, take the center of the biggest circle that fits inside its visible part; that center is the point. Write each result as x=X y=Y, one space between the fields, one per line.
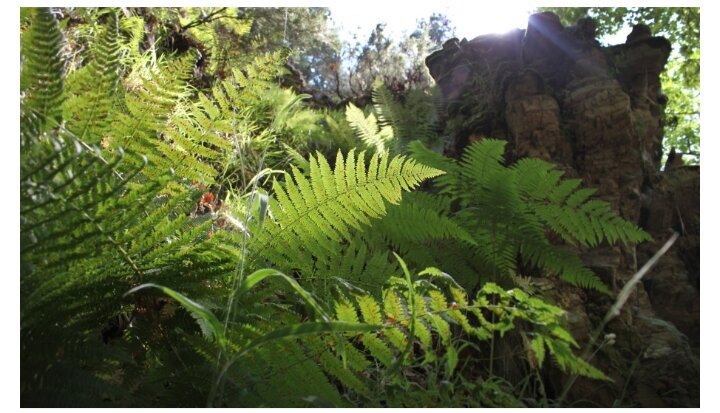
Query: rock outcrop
x=555 y=93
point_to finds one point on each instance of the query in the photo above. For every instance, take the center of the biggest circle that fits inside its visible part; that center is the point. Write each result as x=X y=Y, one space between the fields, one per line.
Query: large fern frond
x=312 y=216
x=93 y=89
x=386 y=108
x=217 y=34
x=379 y=138
x=87 y=235
x=41 y=75
x=508 y=211
x=569 y=210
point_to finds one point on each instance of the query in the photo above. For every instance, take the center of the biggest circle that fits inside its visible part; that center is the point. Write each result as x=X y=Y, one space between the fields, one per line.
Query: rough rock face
x=554 y=93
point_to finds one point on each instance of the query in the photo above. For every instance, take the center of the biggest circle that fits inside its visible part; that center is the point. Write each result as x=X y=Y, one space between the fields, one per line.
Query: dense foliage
x=194 y=234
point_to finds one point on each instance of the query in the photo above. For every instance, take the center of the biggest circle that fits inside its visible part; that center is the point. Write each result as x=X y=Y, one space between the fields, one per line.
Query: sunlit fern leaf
x=370 y=310
x=400 y=224
x=508 y=211
x=445 y=304
x=570 y=211
x=421 y=330
x=378 y=349
x=92 y=90
x=313 y=215
x=41 y=75
x=393 y=307
x=263 y=68
x=151 y=104
x=86 y=235
x=376 y=137
x=175 y=134
x=413 y=119
x=345 y=311
x=386 y=108
x=214 y=34
x=134 y=28
x=149 y=109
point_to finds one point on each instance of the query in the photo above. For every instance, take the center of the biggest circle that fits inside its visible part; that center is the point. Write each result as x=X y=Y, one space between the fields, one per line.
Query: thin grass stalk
x=614 y=311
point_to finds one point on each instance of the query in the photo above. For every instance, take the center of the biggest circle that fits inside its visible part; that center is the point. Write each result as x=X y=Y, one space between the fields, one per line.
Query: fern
x=438 y=313
x=93 y=89
x=392 y=125
x=413 y=119
x=41 y=75
x=507 y=212
x=312 y=216
x=107 y=207
x=378 y=138
x=87 y=238
x=221 y=28
x=401 y=229
x=358 y=262
x=90 y=229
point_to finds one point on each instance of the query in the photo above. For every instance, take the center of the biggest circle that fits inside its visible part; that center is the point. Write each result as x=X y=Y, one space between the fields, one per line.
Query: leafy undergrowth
x=185 y=247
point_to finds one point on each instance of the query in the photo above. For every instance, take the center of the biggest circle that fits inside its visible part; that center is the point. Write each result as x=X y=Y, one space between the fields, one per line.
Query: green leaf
x=253 y=279
x=201 y=313
x=303 y=329
x=538 y=347
x=451 y=361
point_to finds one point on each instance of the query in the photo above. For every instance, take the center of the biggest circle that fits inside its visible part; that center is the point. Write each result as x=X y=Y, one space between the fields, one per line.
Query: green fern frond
x=413 y=119
x=346 y=311
x=333 y=365
x=41 y=75
x=151 y=109
x=400 y=224
x=287 y=365
x=568 y=362
x=93 y=89
x=134 y=29
x=386 y=108
x=89 y=233
x=569 y=211
x=312 y=216
x=444 y=304
x=218 y=34
x=189 y=138
x=151 y=103
x=482 y=162
x=508 y=210
x=536 y=250
x=391 y=125
x=450 y=183
x=263 y=68
x=376 y=137
x=370 y=310
x=360 y=262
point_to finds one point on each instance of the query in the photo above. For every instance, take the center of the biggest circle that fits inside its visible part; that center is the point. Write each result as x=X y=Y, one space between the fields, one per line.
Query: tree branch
x=205 y=19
